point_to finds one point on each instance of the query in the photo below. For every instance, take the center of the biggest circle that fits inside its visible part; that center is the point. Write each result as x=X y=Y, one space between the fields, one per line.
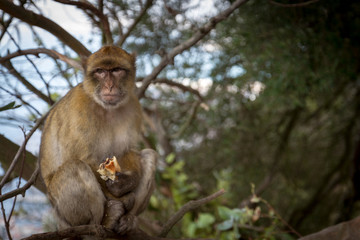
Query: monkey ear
x=84 y=63
x=133 y=56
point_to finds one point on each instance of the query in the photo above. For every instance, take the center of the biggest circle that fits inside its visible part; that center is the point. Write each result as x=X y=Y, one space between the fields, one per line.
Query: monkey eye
x=99 y=71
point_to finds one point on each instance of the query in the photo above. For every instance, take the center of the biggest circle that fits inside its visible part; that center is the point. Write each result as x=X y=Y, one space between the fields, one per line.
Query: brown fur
x=81 y=131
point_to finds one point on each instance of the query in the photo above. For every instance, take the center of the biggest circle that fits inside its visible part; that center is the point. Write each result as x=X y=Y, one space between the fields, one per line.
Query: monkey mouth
x=112 y=99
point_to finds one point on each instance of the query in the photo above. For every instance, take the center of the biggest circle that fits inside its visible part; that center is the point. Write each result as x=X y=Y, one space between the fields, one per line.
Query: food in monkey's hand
x=108 y=168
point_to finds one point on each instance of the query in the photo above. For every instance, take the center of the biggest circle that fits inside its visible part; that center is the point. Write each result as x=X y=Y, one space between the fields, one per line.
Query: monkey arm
x=128 y=179
x=123 y=184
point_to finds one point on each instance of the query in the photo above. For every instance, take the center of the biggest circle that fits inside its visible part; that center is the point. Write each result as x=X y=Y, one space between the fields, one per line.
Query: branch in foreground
x=136 y=234
x=200 y=34
x=186 y=208
x=98 y=231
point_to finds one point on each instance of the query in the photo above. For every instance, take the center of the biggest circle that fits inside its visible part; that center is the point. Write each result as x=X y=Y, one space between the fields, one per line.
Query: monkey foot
x=116 y=219
x=127 y=223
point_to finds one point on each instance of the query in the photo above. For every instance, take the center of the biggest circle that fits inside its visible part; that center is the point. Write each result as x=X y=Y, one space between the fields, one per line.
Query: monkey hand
x=122 y=184
x=117 y=217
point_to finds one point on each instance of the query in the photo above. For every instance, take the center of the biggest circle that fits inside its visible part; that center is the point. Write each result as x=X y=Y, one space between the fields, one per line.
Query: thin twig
x=180 y=86
x=36 y=69
x=186 y=208
x=7 y=225
x=148 y=4
x=8 y=65
x=200 y=34
x=23 y=189
x=303 y=4
x=38 y=20
x=86 y=5
x=25 y=103
x=21 y=149
x=281 y=218
x=188 y=121
x=52 y=53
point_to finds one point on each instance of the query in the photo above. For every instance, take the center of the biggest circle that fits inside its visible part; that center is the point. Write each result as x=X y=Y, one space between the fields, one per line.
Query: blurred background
x=265 y=106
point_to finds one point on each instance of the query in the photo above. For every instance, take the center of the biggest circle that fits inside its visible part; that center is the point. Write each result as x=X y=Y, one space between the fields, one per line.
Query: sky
x=35 y=203
x=72 y=21
x=76 y=23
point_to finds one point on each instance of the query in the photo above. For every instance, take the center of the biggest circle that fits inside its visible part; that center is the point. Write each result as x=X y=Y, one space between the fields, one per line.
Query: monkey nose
x=109 y=85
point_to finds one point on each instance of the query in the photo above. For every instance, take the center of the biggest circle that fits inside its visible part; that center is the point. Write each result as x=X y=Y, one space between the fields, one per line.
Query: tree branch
x=26 y=83
x=180 y=86
x=200 y=34
x=37 y=51
x=148 y=4
x=136 y=234
x=303 y=4
x=188 y=121
x=40 y=21
x=23 y=189
x=186 y=208
x=85 y=5
x=21 y=149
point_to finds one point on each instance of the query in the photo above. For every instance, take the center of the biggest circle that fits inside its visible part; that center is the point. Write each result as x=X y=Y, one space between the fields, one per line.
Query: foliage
x=217 y=220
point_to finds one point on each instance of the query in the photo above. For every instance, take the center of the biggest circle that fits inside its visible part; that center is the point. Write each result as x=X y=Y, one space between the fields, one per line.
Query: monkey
x=101 y=117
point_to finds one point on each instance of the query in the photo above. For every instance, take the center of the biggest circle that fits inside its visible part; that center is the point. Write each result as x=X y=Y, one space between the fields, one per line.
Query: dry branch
x=46 y=24
x=180 y=86
x=25 y=82
x=301 y=4
x=21 y=150
x=52 y=53
x=186 y=208
x=200 y=34
x=23 y=189
x=85 y=5
x=148 y=4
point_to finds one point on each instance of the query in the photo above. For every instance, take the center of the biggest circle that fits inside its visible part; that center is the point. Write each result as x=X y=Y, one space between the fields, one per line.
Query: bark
x=8 y=150
x=344 y=231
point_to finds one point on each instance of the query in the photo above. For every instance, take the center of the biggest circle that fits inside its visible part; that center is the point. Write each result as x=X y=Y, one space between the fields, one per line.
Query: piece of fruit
x=108 y=168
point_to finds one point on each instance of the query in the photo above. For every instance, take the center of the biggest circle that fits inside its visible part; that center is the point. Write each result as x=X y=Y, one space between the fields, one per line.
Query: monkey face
x=110 y=76
x=111 y=87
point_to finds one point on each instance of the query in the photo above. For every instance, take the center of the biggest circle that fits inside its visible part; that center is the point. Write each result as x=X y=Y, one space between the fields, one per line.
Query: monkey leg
x=76 y=195
x=117 y=216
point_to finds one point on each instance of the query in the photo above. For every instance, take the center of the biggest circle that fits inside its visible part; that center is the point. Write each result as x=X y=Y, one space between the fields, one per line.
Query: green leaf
x=205 y=220
x=191 y=230
x=226 y=225
x=224 y=212
x=237 y=213
x=154 y=202
x=170 y=158
x=9 y=106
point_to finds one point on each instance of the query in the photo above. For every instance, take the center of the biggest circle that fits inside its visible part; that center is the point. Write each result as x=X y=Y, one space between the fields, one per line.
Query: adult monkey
x=99 y=118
